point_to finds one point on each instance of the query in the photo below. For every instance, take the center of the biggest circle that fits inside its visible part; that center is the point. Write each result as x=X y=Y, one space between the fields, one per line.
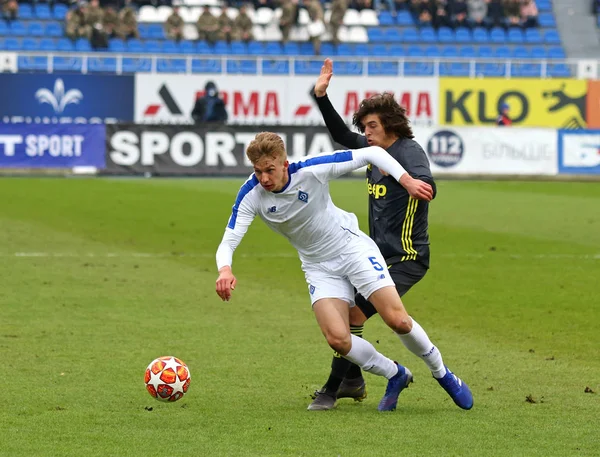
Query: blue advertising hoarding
x=62 y=99
x=579 y=152
x=52 y=146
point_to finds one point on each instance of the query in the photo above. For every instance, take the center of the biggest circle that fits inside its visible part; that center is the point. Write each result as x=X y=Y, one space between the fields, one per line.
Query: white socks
x=417 y=342
x=366 y=356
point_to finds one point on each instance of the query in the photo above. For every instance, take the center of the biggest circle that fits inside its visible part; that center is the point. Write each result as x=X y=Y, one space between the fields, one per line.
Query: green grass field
x=101 y=276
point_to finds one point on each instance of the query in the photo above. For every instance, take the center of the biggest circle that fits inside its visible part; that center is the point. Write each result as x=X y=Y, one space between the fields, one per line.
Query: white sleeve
x=242 y=215
x=327 y=167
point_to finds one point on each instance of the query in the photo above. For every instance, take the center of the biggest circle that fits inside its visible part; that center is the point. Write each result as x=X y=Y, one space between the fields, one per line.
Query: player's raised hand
x=416 y=188
x=225 y=283
x=324 y=78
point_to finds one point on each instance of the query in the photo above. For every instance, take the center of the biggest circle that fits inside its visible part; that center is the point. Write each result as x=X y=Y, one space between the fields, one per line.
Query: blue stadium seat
x=59 y=11
x=485 y=52
x=383 y=68
x=544 y=5
x=348 y=68
x=379 y=50
x=417 y=68
x=171 y=65
x=415 y=51
x=515 y=36
x=102 y=65
x=48 y=44
x=404 y=18
x=187 y=47
x=292 y=49
x=546 y=20
x=65 y=45
x=152 y=47
x=533 y=36
x=30 y=44
x=307 y=49
x=25 y=11
x=256 y=48
x=428 y=35
x=393 y=35
x=556 y=53
x=551 y=37
x=309 y=67
x=12 y=44
x=116 y=45
x=33 y=63
x=83 y=45
x=67 y=64
x=538 y=52
x=54 y=29
x=433 y=51
x=502 y=52
x=42 y=11
x=136 y=65
x=206 y=66
x=361 y=50
x=222 y=47
x=396 y=50
x=328 y=49
x=4 y=30
x=275 y=67
x=202 y=47
x=169 y=47
x=274 y=48
x=35 y=29
x=17 y=28
x=134 y=46
x=497 y=35
x=385 y=18
x=492 y=70
x=445 y=35
x=156 y=31
x=481 y=35
x=144 y=32
x=520 y=53
x=242 y=66
x=410 y=35
x=463 y=35
x=558 y=71
x=376 y=34
x=467 y=52
x=343 y=49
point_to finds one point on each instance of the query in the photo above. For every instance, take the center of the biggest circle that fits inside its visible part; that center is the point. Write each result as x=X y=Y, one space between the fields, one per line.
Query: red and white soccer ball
x=167 y=378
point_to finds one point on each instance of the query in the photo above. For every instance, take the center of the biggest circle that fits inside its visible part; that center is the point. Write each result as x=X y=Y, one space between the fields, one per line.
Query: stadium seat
x=239 y=48
x=308 y=67
x=497 y=35
x=361 y=50
x=64 y=45
x=404 y=18
x=25 y=11
x=156 y=31
x=4 y=30
x=544 y=5
x=35 y=29
x=67 y=64
x=385 y=18
x=481 y=35
x=83 y=45
x=410 y=35
x=30 y=44
x=116 y=45
x=241 y=66
x=147 y=13
x=222 y=48
x=54 y=29
x=162 y=13
x=445 y=35
x=343 y=49
x=533 y=36
x=135 y=46
x=263 y=16
x=187 y=47
x=467 y=52
x=462 y=35
x=275 y=67
x=552 y=37
x=256 y=48
x=379 y=50
x=42 y=11
x=136 y=65
x=538 y=52
x=171 y=65
x=102 y=65
x=144 y=32
x=502 y=52
x=48 y=44
x=348 y=68
x=485 y=52
x=352 y=17
x=427 y=35
x=33 y=63
x=396 y=50
x=169 y=47
x=152 y=47
x=515 y=36
x=12 y=44
x=521 y=53
x=556 y=53
x=383 y=68
x=328 y=49
x=376 y=34
x=558 y=71
x=368 y=17
x=202 y=47
x=206 y=66
x=307 y=49
x=433 y=52
x=59 y=11
x=274 y=48
x=17 y=28
x=546 y=20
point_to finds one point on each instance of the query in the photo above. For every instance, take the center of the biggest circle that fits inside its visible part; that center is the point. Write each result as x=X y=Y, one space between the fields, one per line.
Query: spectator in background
x=391 y=6
x=336 y=20
x=98 y=37
x=208 y=26
x=289 y=17
x=459 y=13
x=360 y=5
x=264 y=4
x=441 y=18
x=529 y=14
x=495 y=15
x=503 y=119
x=512 y=11
x=477 y=12
x=93 y=13
x=10 y=9
x=128 y=27
x=316 y=26
x=242 y=26
x=76 y=23
x=210 y=107
x=426 y=13
x=225 y=25
x=111 y=21
x=174 y=25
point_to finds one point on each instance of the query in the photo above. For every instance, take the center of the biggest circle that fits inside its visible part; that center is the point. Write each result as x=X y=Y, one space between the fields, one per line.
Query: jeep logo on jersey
x=302 y=196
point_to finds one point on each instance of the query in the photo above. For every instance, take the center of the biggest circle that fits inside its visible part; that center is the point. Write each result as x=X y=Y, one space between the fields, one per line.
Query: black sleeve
x=338 y=130
x=414 y=160
x=198 y=111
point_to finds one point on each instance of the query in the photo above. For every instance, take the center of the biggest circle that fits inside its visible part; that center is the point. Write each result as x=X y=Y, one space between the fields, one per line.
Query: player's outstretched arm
x=225 y=283
x=337 y=127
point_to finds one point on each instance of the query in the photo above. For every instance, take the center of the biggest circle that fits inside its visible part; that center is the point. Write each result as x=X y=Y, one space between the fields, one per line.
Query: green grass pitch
x=101 y=276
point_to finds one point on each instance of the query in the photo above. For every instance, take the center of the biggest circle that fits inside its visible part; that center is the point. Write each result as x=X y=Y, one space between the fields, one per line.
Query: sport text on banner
x=558 y=103
x=52 y=146
x=579 y=152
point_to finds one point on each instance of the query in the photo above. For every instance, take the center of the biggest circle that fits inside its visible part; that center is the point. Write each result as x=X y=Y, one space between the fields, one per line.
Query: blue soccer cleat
x=457 y=389
x=395 y=385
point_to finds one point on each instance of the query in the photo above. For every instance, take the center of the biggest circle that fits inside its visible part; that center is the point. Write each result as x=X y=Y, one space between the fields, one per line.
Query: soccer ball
x=167 y=378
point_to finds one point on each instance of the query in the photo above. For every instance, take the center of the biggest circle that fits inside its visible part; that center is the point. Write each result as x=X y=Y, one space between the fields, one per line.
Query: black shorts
x=405 y=275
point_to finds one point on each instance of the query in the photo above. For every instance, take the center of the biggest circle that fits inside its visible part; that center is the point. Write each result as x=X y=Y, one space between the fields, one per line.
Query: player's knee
x=339 y=343
x=400 y=323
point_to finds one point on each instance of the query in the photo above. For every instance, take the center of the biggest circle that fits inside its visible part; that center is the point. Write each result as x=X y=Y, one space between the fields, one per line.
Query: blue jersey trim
x=244 y=190
x=337 y=157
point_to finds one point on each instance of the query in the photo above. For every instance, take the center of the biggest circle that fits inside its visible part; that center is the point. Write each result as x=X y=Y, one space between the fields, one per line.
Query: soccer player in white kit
x=293 y=200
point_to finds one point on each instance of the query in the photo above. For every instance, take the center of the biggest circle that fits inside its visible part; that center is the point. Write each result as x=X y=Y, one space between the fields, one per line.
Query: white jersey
x=303 y=211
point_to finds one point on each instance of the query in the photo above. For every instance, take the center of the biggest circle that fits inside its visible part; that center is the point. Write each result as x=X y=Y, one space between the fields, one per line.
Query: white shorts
x=361 y=266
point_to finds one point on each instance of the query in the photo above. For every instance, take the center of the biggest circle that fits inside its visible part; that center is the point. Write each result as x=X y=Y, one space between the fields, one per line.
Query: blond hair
x=266 y=144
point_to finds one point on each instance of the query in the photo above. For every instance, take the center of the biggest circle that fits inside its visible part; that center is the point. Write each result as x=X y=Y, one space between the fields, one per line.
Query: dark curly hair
x=392 y=116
